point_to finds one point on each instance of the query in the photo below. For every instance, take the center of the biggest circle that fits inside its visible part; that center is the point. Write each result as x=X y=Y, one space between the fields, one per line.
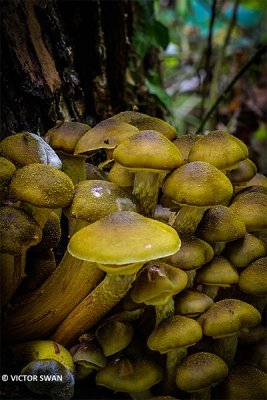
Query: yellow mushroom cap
x=146 y=122
x=253 y=279
x=149 y=150
x=106 y=134
x=192 y=303
x=199 y=371
x=122 y=238
x=173 y=333
x=245 y=171
x=220 y=149
x=198 y=183
x=65 y=135
x=184 y=143
x=7 y=170
x=218 y=272
x=228 y=317
x=42 y=185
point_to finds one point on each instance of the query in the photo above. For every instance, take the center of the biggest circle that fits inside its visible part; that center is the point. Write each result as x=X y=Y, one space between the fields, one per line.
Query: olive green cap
x=243 y=251
x=218 y=272
x=42 y=185
x=192 y=302
x=89 y=353
x=184 y=144
x=114 y=336
x=121 y=176
x=245 y=171
x=7 y=170
x=198 y=183
x=173 y=333
x=199 y=371
x=149 y=150
x=122 y=238
x=253 y=279
x=220 y=149
x=51 y=234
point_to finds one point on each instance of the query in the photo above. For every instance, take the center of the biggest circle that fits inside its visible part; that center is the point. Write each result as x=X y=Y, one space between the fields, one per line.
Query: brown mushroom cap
x=220 y=149
x=220 y=224
x=149 y=150
x=184 y=143
x=27 y=148
x=218 y=272
x=191 y=303
x=253 y=279
x=122 y=238
x=199 y=184
x=245 y=171
x=257 y=180
x=18 y=230
x=42 y=185
x=51 y=234
x=106 y=134
x=130 y=375
x=114 y=336
x=173 y=333
x=199 y=371
x=146 y=122
x=65 y=135
x=228 y=317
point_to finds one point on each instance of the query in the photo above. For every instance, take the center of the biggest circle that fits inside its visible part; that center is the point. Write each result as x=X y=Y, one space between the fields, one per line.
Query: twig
x=223 y=95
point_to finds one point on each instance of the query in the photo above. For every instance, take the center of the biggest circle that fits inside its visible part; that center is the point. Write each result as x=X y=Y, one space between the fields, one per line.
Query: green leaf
x=161 y=34
x=161 y=94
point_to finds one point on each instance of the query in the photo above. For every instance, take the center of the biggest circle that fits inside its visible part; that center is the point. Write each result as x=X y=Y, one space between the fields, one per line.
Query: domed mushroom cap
x=51 y=234
x=242 y=252
x=27 y=148
x=156 y=283
x=253 y=279
x=252 y=209
x=199 y=371
x=184 y=143
x=65 y=135
x=89 y=354
x=245 y=171
x=124 y=237
x=114 y=336
x=174 y=332
x=257 y=180
x=146 y=122
x=7 y=170
x=42 y=185
x=198 y=183
x=218 y=272
x=149 y=150
x=94 y=199
x=220 y=149
x=228 y=317
x=121 y=176
x=130 y=375
x=191 y=303
x=220 y=224
x=192 y=254
x=18 y=230
x=106 y=134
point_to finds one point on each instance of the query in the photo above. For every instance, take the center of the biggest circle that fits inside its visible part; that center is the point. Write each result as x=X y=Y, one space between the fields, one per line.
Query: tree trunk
x=69 y=60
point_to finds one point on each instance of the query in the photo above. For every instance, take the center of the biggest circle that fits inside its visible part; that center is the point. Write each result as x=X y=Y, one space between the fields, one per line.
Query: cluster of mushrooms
x=162 y=289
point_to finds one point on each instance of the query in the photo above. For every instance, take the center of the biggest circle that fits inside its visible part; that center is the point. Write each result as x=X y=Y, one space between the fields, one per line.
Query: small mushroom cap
x=218 y=272
x=184 y=144
x=106 y=134
x=173 y=333
x=60 y=388
x=198 y=183
x=257 y=355
x=65 y=135
x=42 y=185
x=252 y=210
x=18 y=230
x=220 y=149
x=192 y=254
x=220 y=224
x=257 y=180
x=246 y=170
x=156 y=283
x=149 y=150
x=7 y=170
x=146 y=122
x=242 y=252
x=130 y=375
x=122 y=238
x=27 y=148
x=89 y=354
x=51 y=234
x=228 y=317
x=94 y=199
x=254 y=335
x=245 y=382
x=191 y=303
x=121 y=176
x=199 y=371
x=114 y=336
x=253 y=279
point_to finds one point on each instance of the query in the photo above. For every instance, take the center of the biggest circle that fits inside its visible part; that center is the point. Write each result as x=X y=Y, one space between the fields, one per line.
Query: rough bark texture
x=68 y=60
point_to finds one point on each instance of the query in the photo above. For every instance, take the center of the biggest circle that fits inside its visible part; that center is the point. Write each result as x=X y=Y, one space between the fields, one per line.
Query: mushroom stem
x=40 y=312
x=174 y=357
x=191 y=274
x=203 y=394
x=93 y=308
x=164 y=311
x=73 y=166
x=146 y=190
x=146 y=394
x=12 y=272
x=188 y=218
x=225 y=347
